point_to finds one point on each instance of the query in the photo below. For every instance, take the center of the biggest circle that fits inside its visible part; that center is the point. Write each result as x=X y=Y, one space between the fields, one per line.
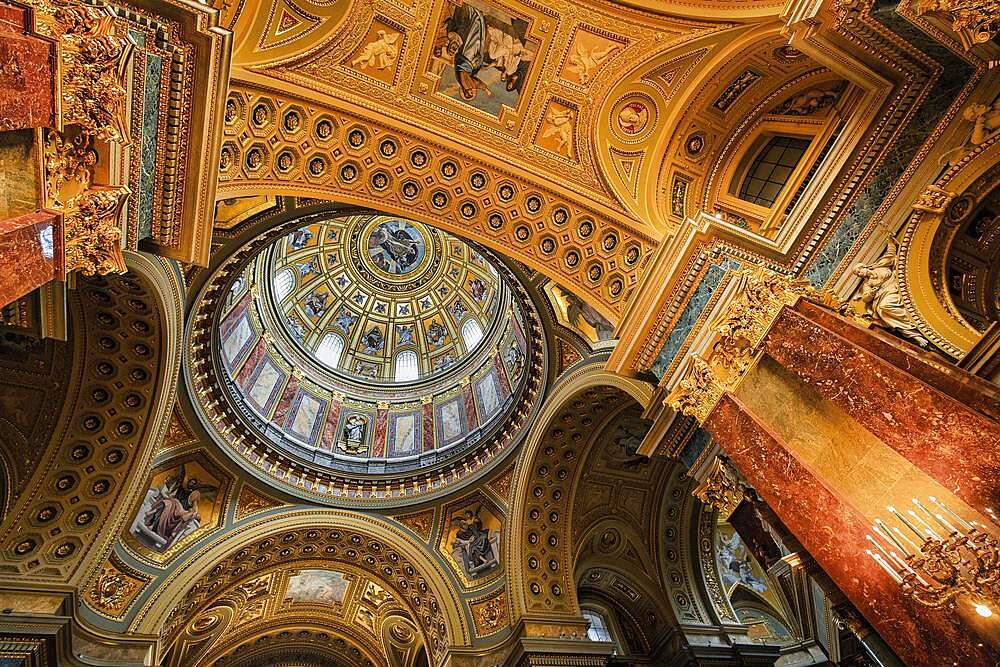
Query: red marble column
x=27 y=72
x=428 y=425
x=381 y=432
x=940 y=418
x=833 y=532
x=31 y=252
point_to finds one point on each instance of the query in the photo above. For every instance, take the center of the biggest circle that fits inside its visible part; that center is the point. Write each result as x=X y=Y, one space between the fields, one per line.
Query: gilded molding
x=760 y=294
x=720 y=489
x=974 y=21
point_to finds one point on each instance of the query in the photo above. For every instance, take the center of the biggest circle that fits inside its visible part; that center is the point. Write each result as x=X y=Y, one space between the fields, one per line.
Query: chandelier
x=936 y=556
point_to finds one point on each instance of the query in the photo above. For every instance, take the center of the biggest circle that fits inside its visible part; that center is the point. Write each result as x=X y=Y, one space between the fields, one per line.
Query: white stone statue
x=985 y=121
x=880 y=295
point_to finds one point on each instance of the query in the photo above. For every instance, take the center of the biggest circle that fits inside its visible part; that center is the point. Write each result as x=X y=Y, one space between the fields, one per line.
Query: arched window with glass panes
x=284 y=282
x=472 y=333
x=330 y=347
x=600 y=627
x=406 y=366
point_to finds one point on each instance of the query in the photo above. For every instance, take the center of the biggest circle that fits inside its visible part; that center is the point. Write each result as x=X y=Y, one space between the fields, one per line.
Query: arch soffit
x=932 y=309
x=152 y=617
x=569 y=386
x=153 y=306
x=672 y=81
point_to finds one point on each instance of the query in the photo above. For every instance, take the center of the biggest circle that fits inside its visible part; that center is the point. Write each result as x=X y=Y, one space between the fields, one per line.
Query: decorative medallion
x=114 y=588
x=490 y=614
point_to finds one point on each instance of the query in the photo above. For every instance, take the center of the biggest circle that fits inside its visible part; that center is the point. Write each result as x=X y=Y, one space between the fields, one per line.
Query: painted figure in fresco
x=459 y=310
x=629 y=442
x=472 y=544
x=585 y=61
x=315 y=304
x=354 y=434
x=373 y=341
x=380 y=53
x=298 y=331
x=473 y=40
x=394 y=250
x=880 y=295
x=299 y=238
x=171 y=511
x=345 y=321
x=560 y=129
x=735 y=563
x=577 y=308
x=515 y=358
x=478 y=289
x=444 y=362
x=308 y=268
x=404 y=334
x=436 y=334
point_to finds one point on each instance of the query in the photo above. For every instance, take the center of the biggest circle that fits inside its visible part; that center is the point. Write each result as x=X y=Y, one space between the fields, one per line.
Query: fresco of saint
x=483 y=50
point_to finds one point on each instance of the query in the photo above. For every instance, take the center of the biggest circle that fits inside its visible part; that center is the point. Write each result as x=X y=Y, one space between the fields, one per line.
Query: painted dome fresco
x=384 y=299
x=368 y=350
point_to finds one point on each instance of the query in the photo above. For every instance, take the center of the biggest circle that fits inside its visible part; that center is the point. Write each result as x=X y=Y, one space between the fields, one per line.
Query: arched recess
x=539 y=562
x=926 y=238
x=311 y=536
x=632 y=159
x=125 y=334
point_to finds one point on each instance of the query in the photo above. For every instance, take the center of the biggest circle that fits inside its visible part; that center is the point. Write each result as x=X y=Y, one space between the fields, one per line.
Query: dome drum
x=376 y=409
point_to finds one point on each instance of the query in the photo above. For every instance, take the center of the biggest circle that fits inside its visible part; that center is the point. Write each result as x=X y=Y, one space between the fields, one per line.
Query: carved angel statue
x=880 y=295
x=380 y=53
x=985 y=121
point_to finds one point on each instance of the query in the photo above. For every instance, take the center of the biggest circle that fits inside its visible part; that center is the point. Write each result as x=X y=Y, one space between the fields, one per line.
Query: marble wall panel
x=30 y=253
x=952 y=443
x=27 y=82
x=833 y=532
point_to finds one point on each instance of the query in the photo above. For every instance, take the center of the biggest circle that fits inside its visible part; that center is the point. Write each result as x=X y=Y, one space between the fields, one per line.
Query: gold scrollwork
x=720 y=488
x=93 y=231
x=974 y=21
x=760 y=294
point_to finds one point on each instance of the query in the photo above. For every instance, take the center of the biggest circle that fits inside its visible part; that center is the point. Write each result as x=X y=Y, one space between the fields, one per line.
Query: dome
x=368 y=349
x=384 y=299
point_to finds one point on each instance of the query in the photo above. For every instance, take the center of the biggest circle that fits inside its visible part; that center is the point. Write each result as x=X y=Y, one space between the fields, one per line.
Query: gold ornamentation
x=760 y=294
x=251 y=501
x=697 y=392
x=490 y=615
x=420 y=522
x=93 y=231
x=720 y=489
x=933 y=199
x=502 y=483
x=975 y=21
x=115 y=587
x=96 y=56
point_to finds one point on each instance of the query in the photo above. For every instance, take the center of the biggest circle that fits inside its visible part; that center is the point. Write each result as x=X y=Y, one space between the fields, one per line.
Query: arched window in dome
x=472 y=333
x=330 y=349
x=406 y=366
x=283 y=283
